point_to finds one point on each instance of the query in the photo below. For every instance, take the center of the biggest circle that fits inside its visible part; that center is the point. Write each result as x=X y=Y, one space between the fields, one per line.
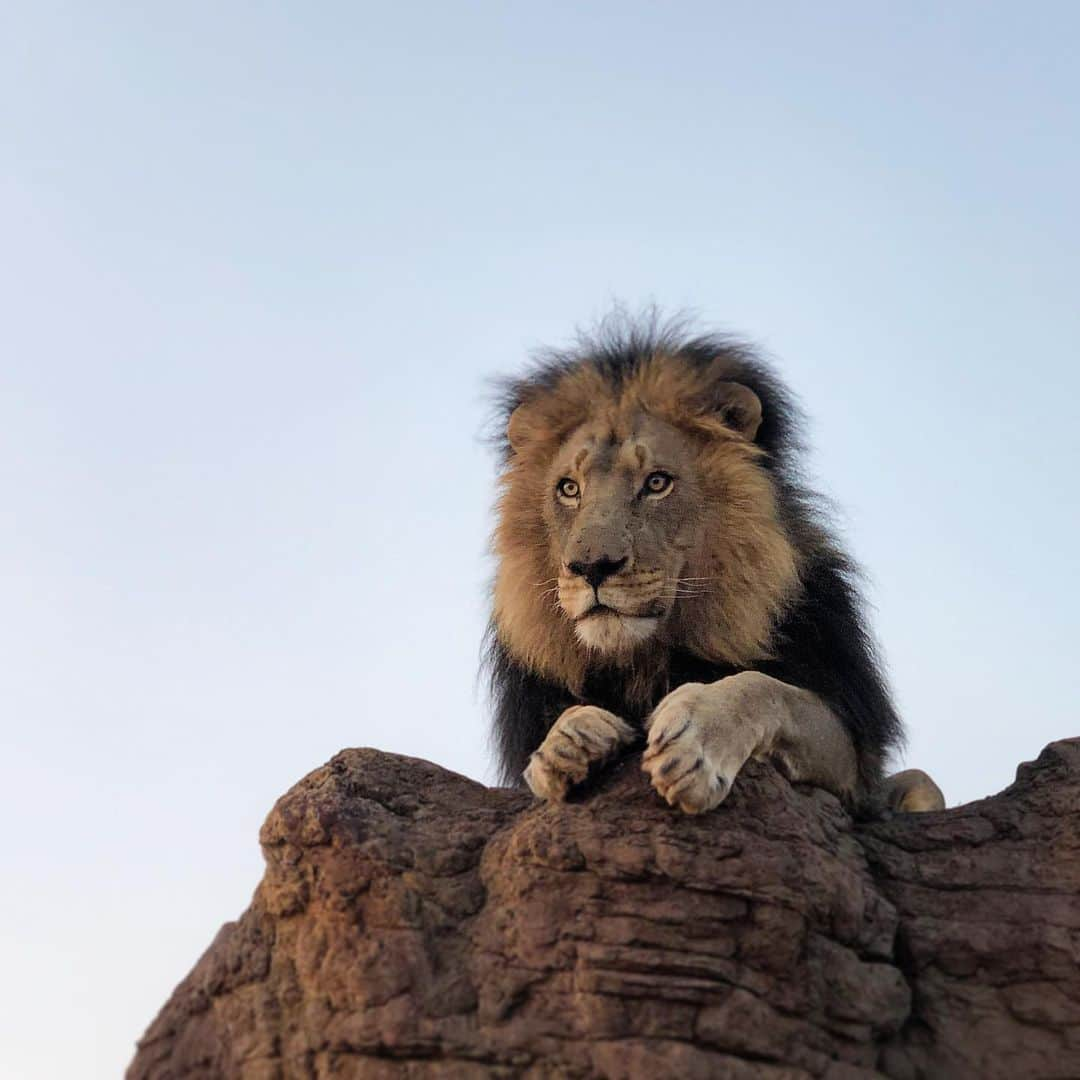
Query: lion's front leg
x=583 y=736
x=701 y=735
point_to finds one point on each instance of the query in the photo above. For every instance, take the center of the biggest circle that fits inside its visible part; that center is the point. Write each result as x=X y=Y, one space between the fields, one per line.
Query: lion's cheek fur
x=526 y=616
x=747 y=560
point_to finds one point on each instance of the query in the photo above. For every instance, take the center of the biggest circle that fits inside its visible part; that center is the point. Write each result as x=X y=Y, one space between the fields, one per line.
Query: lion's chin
x=610 y=632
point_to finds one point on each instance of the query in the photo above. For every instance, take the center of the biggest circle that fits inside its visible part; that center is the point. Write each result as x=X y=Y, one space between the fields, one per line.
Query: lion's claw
x=696 y=746
x=581 y=737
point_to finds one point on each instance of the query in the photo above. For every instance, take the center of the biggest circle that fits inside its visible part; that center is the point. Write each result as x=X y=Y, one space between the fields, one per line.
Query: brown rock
x=414 y=923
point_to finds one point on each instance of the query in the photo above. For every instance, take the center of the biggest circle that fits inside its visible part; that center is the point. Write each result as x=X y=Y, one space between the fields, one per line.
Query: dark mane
x=823 y=643
x=621 y=343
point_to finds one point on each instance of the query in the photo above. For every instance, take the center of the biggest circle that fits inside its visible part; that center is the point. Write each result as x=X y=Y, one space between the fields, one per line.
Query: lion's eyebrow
x=635 y=453
x=580 y=457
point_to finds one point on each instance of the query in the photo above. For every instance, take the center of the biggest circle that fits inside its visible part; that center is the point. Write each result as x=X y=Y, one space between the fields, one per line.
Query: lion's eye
x=657 y=483
x=567 y=488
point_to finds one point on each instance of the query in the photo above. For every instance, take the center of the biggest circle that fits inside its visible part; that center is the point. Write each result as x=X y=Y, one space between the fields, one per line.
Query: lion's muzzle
x=618 y=612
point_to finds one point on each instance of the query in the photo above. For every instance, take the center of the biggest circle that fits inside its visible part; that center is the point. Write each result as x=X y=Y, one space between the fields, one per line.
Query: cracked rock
x=414 y=923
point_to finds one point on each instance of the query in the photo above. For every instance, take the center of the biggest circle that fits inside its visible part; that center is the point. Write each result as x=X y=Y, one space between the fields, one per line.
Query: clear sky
x=258 y=260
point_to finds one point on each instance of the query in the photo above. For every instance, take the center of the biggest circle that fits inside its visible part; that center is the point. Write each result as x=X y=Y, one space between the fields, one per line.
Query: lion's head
x=638 y=513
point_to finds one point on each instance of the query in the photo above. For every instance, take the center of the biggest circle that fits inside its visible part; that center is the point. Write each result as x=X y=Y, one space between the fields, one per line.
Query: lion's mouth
x=609 y=630
x=605 y=611
x=598 y=611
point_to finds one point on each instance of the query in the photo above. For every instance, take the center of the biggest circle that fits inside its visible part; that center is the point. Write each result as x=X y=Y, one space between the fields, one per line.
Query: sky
x=259 y=263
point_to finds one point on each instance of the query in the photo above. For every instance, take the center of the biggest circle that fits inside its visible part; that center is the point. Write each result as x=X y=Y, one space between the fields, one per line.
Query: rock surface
x=414 y=923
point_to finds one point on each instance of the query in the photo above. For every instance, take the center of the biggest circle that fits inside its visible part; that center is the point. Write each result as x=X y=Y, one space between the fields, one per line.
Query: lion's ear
x=739 y=407
x=517 y=428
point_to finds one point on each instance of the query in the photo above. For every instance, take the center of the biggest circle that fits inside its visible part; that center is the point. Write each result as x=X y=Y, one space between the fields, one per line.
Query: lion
x=665 y=578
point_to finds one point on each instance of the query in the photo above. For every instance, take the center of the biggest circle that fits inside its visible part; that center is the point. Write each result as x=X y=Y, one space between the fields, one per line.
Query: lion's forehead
x=632 y=445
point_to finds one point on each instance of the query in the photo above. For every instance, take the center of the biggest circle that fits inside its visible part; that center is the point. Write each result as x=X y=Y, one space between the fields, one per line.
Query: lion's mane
x=787 y=602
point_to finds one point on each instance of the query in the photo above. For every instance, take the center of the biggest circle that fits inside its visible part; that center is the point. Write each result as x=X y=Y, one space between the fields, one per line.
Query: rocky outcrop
x=414 y=923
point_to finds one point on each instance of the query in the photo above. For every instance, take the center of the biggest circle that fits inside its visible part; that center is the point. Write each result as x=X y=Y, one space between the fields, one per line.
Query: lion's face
x=622 y=525
x=635 y=518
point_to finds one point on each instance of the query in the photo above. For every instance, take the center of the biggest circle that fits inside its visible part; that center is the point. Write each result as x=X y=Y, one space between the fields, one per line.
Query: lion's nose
x=598 y=570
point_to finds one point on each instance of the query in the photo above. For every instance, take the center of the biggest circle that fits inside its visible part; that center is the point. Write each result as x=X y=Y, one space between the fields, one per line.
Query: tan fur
x=912 y=792
x=582 y=736
x=737 y=566
x=702 y=734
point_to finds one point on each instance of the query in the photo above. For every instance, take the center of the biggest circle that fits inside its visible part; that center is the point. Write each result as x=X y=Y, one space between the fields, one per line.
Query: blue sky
x=259 y=261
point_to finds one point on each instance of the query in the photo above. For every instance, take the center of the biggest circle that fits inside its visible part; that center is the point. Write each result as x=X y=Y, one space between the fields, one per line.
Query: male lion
x=661 y=569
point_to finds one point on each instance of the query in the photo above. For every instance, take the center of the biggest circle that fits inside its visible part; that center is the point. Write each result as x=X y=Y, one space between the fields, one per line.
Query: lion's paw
x=697 y=743
x=582 y=736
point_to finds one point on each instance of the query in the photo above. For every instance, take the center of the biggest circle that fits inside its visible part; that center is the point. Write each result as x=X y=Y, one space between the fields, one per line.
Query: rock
x=414 y=923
